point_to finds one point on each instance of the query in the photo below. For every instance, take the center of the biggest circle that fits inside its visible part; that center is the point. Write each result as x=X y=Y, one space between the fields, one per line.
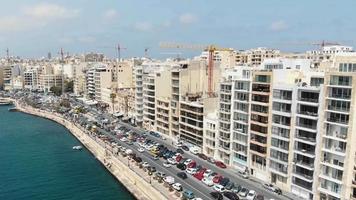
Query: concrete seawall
x=131 y=180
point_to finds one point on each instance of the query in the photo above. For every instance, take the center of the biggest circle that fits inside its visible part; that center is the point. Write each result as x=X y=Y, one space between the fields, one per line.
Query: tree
x=68 y=86
x=56 y=90
x=112 y=97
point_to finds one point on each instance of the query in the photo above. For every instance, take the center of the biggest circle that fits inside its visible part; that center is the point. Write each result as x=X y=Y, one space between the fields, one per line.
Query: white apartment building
x=30 y=79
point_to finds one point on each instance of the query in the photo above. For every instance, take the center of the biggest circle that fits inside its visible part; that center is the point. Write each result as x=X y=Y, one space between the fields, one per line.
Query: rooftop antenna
x=7 y=54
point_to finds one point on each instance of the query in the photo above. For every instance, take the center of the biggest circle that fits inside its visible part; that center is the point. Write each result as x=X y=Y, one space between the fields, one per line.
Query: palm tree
x=112 y=97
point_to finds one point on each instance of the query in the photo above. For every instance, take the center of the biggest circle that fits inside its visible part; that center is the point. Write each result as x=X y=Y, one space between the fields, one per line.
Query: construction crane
x=209 y=48
x=118 y=49
x=320 y=44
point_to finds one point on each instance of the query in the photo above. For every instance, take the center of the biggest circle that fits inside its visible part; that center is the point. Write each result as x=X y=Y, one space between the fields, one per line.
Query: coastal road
x=249 y=184
x=197 y=187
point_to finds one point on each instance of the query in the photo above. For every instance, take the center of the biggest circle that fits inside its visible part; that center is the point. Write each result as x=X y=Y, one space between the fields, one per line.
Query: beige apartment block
x=337 y=169
x=46 y=81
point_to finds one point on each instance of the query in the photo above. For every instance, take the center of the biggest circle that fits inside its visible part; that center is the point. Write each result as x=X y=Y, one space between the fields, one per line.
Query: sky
x=32 y=28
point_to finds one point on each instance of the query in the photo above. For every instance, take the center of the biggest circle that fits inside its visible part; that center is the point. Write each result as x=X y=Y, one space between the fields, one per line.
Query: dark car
x=230 y=185
x=180 y=151
x=259 y=197
x=181 y=166
x=236 y=189
x=217 y=195
x=182 y=175
x=151 y=169
x=224 y=181
x=138 y=159
x=185 y=148
x=231 y=196
x=203 y=156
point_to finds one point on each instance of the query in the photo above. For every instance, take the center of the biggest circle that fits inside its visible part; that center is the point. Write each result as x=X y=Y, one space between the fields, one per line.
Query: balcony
x=260 y=88
x=303 y=163
x=339 y=108
x=344 y=121
x=328 y=161
x=304 y=137
x=304 y=176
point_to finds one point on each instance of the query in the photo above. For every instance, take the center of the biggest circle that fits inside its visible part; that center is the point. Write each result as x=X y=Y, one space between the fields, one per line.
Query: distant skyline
x=33 y=28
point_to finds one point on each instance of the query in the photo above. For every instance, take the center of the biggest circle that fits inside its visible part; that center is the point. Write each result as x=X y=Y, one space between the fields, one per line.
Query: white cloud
x=110 y=14
x=49 y=11
x=188 y=18
x=144 y=26
x=35 y=16
x=278 y=26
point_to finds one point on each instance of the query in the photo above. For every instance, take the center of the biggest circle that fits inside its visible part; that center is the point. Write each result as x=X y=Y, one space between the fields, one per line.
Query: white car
x=169 y=180
x=178 y=187
x=219 y=188
x=172 y=161
x=145 y=164
x=208 y=181
x=123 y=139
x=140 y=150
x=251 y=195
x=188 y=161
x=191 y=171
x=175 y=156
x=167 y=164
x=207 y=173
x=243 y=192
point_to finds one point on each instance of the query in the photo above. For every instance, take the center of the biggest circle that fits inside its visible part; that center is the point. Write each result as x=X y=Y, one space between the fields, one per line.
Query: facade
x=46 y=81
x=30 y=79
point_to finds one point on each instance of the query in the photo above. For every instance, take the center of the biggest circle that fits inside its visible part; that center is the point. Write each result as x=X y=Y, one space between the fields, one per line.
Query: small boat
x=77 y=147
x=5 y=102
x=12 y=109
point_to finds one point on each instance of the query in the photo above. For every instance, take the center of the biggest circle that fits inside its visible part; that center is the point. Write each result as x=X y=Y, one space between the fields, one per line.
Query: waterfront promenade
x=131 y=176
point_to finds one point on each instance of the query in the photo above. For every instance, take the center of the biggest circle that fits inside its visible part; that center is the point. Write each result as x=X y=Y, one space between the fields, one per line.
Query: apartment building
x=210 y=134
x=336 y=170
x=30 y=79
x=193 y=108
x=46 y=81
x=255 y=57
x=102 y=80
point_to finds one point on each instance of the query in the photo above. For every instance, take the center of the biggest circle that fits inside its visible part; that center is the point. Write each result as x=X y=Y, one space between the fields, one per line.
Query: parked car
x=145 y=164
x=220 y=164
x=243 y=192
x=169 y=180
x=217 y=178
x=207 y=173
x=224 y=181
x=182 y=175
x=178 y=187
x=185 y=148
x=140 y=149
x=188 y=194
x=208 y=181
x=181 y=166
x=167 y=164
x=172 y=161
x=216 y=195
x=160 y=174
x=192 y=164
x=260 y=197
x=203 y=156
x=180 y=151
x=219 y=188
x=251 y=195
x=191 y=171
x=138 y=159
x=272 y=188
x=186 y=162
x=230 y=185
x=231 y=195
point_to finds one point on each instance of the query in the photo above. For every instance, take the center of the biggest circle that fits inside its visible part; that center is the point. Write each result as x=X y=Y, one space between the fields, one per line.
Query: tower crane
x=209 y=48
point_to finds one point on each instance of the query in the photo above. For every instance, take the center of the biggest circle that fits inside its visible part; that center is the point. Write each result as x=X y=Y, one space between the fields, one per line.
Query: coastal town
x=226 y=124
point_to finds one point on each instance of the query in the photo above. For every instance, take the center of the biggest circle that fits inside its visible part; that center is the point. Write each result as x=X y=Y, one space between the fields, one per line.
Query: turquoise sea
x=37 y=162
